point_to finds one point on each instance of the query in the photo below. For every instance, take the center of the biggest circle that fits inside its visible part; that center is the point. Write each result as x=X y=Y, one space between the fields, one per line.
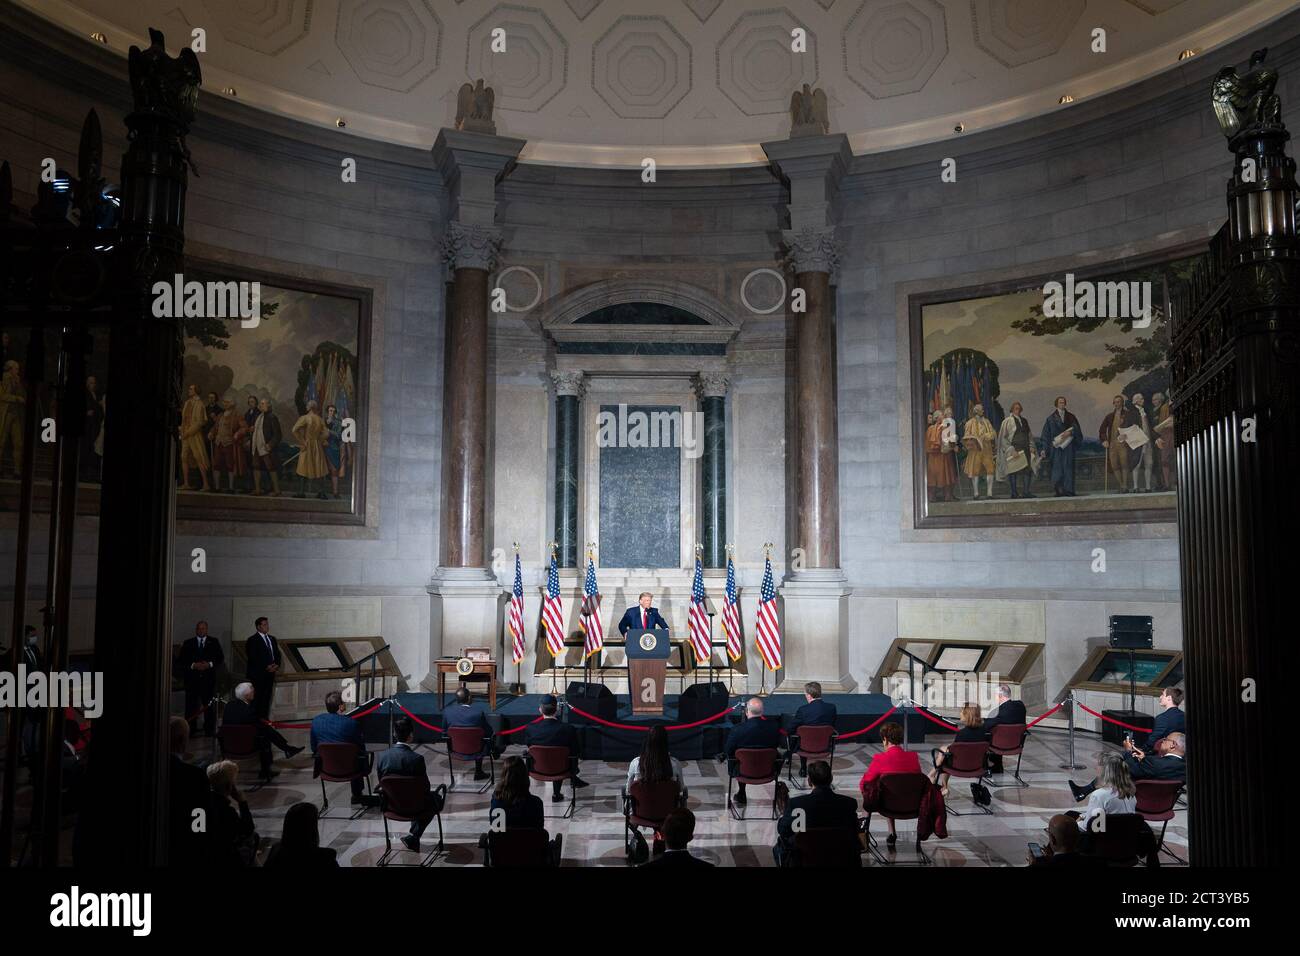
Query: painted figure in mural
x=266 y=439
x=978 y=438
x=1061 y=436
x=246 y=435
x=310 y=434
x=225 y=447
x=194 y=445
x=940 y=463
x=1015 y=455
x=1143 y=458
x=1112 y=437
x=13 y=409
x=1163 y=413
x=336 y=452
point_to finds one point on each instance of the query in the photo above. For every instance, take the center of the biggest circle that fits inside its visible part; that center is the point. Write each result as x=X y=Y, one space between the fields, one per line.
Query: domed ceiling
x=690 y=82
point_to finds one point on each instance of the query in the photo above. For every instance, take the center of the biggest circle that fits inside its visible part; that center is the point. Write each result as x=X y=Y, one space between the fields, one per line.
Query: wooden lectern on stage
x=647 y=669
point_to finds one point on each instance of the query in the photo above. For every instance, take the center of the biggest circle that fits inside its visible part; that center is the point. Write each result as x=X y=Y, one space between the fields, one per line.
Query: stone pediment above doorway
x=639 y=315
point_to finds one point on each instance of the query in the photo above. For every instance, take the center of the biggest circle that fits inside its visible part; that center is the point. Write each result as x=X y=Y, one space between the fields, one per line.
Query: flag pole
x=762 y=684
x=731 y=665
x=554 y=661
x=518 y=689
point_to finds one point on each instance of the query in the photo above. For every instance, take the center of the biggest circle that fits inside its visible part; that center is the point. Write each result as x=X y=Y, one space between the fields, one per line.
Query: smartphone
x=1036 y=851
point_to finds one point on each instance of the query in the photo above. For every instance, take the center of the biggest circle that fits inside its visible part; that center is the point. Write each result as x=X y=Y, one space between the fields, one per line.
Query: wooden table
x=448 y=666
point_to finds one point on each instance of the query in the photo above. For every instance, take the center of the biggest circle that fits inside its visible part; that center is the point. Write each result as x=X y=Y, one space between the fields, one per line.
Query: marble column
x=569 y=387
x=471 y=252
x=711 y=387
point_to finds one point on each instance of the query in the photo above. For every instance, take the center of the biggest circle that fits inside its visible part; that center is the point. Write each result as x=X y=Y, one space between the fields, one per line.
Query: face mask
x=32 y=639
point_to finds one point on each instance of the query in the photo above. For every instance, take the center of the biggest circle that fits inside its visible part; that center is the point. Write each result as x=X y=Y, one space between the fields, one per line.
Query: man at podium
x=642 y=615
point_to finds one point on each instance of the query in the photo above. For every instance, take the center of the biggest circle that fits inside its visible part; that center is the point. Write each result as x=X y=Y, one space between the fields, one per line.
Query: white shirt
x=1104 y=800
x=259 y=440
x=635 y=765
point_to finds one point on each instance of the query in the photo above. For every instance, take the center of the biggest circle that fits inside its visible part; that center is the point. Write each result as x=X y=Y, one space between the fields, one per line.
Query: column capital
x=471 y=247
x=811 y=249
x=569 y=383
x=711 y=384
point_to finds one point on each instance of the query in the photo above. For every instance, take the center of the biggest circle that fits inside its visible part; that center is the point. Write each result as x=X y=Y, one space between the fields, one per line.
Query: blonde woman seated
x=970 y=730
x=1115 y=791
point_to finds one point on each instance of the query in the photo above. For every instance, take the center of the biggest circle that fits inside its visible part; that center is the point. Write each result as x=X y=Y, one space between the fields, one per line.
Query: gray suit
x=401 y=760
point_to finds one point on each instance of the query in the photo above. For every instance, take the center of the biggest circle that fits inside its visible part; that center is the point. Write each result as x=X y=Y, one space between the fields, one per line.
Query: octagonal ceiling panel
x=756 y=67
x=534 y=65
x=902 y=72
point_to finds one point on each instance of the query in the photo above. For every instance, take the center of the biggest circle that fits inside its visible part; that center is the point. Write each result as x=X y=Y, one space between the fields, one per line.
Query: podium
x=647 y=668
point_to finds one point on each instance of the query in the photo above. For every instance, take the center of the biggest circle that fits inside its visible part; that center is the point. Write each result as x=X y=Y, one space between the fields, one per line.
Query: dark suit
x=632 y=618
x=551 y=732
x=751 y=733
x=201 y=685
x=815 y=713
x=1152 y=767
x=330 y=728
x=526 y=813
x=1169 y=721
x=238 y=713
x=1009 y=712
x=679 y=859
x=402 y=760
x=259 y=657
x=472 y=714
x=821 y=809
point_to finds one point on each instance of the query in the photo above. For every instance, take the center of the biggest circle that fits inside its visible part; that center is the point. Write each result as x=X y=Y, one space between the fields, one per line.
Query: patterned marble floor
x=594 y=835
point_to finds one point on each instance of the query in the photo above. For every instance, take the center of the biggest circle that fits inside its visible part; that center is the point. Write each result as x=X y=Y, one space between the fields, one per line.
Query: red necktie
x=644 y=624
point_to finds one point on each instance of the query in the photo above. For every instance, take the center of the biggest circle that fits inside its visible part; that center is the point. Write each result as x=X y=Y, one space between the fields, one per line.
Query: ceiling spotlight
x=959 y=128
x=1067 y=98
x=340 y=122
x=230 y=91
x=99 y=38
x=1188 y=54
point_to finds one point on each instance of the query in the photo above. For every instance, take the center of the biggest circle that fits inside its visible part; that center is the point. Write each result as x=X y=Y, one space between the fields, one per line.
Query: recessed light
x=1188 y=54
x=959 y=128
x=340 y=122
x=1067 y=98
x=230 y=91
x=99 y=38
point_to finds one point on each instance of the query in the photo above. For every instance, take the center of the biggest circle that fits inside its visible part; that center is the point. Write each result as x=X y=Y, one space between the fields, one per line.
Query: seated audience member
x=401 y=759
x=550 y=731
x=1009 y=712
x=1062 y=844
x=814 y=712
x=1170 y=720
x=970 y=729
x=513 y=806
x=465 y=712
x=188 y=791
x=333 y=727
x=231 y=834
x=655 y=764
x=678 y=830
x=299 y=847
x=1167 y=763
x=821 y=808
x=893 y=759
x=754 y=732
x=1114 y=793
x=240 y=711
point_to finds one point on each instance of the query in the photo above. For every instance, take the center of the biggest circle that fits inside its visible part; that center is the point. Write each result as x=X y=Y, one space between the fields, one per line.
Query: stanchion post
x=1070 y=764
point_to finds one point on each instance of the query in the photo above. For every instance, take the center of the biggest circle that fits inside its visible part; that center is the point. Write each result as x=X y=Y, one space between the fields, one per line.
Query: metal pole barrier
x=1070 y=764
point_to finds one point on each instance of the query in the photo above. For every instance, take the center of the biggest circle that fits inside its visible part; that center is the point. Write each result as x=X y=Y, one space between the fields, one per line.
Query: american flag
x=767 y=629
x=553 y=612
x=517 y=615
x=698 y=619
x=590 y=617
x=731 y=615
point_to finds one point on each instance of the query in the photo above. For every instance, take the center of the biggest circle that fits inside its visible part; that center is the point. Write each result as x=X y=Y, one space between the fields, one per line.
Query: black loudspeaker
x=701 y=700
x=1131 y=632
x=1114 y=734
x=593 y=698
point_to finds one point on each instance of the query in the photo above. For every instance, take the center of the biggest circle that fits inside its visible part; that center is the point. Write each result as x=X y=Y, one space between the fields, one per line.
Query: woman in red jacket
x=893 y=759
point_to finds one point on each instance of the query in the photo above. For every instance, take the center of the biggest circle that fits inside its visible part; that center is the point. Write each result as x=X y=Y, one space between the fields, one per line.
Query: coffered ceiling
x=690 y=82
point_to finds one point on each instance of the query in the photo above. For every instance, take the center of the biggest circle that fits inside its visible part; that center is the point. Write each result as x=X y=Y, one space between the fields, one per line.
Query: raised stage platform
x=599 y=741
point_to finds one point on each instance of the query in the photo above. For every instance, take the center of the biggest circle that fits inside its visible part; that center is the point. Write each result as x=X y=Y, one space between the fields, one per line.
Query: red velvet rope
x=1046 y=715
x=871 y=726
x=1118 y=723
x=938 y=720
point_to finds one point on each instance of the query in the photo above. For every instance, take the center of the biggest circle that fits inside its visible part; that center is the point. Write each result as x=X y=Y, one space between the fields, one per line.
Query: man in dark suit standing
x=262 y=652
x=821 y=808
x=678 y=830
x=33 y=725
x=550 y=731
x=754 y=732
x=1171 y=720
x=815 y=712
x=242 y=710
x=1009 y=712
x=402 y=760
x=201 y=656
x=464 y=712
x=643 y=615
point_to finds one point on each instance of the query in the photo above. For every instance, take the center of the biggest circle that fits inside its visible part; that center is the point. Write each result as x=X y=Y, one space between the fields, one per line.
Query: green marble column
x=712 y=389
x=568 y=394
